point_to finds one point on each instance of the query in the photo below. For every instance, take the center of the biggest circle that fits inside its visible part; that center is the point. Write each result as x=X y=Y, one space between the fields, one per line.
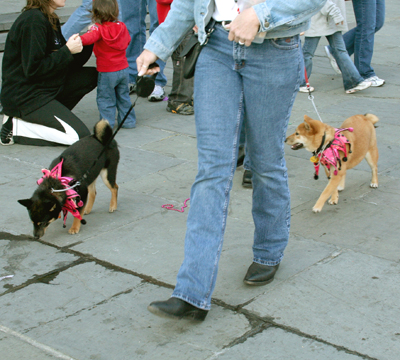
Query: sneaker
x=332 y=60
x=132 y=88
x=375 y=81
x=361 y=86
x=304 y=89
x=158 y=94
x=181 y=109
x=6 y=133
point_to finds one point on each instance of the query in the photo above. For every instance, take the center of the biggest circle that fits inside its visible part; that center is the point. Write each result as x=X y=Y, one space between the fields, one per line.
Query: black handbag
x=191 y=52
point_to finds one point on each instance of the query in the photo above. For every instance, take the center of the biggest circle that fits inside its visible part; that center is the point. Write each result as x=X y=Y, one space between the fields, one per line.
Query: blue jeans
x=80 y=18
x=350 y=74
x=262 y=79
x=370 y=16
x=133 y=15
x=113 y=94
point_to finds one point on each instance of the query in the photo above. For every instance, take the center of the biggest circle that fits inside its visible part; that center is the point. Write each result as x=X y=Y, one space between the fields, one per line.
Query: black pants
x=54 y=123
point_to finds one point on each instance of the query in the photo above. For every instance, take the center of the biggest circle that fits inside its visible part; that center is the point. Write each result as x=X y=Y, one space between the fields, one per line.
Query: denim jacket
x=278 y=18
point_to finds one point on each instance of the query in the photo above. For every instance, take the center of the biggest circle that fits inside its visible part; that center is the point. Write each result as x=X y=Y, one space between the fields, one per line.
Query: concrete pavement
x=335 y=297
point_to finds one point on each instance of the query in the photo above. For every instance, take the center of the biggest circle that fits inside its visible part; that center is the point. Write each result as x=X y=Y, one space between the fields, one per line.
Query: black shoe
x=247 y=179
x=258 y=274
x=6 y=133
x=177 y=309
x=240 y=156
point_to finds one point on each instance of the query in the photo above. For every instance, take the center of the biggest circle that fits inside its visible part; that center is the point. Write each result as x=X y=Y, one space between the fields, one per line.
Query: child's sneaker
x=6 y=133
x=158 y=94
x=332 y=60
x=304 y=89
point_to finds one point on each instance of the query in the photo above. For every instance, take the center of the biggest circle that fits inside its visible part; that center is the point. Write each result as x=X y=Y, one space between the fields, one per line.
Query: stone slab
x=71 y=291
x=122 y=328
x=26 y=260
x=277 y=344
x=349 y=299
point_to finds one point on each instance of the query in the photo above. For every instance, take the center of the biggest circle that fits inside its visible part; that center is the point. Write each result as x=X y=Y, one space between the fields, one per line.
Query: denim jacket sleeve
x=279 y=18
x=168 y=35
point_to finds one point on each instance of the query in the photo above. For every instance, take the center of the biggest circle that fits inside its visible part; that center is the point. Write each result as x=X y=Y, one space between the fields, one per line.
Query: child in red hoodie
x=111 y=38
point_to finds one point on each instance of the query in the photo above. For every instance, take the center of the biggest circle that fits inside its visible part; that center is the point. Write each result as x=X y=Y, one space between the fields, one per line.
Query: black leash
x=144 y=87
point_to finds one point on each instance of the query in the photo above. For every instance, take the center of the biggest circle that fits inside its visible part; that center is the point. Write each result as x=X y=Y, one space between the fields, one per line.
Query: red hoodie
x=110 y=41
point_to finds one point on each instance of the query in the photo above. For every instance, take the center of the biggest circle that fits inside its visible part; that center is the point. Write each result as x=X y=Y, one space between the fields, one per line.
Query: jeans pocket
x=288 y=43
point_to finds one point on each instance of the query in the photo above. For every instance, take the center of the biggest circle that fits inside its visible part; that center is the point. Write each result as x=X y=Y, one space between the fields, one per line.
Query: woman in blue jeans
x=233 y=73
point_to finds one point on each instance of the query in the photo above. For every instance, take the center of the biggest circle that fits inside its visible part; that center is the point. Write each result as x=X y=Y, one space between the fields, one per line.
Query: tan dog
x=319 y=138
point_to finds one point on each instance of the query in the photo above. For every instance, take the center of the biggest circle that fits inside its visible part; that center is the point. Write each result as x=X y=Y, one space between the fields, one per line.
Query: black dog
x=78 y=163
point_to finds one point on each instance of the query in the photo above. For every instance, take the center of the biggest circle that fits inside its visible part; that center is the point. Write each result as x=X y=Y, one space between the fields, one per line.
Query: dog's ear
x=307 y=123
x=26 y=202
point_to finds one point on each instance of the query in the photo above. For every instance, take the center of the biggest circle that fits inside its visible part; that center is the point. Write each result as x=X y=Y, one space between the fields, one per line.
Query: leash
x=144 y=87
x=171 y=207
x=310 y=96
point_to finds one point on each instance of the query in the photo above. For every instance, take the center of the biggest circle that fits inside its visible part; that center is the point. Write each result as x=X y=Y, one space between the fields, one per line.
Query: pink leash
x=171 y=207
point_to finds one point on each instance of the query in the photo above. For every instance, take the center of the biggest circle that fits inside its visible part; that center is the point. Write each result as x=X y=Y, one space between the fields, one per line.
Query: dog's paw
x=73 y=230
x=112 y=209
x=316 y=209
x=87 y=211
x=374 y=185
x=333 y=201
x=340 y=188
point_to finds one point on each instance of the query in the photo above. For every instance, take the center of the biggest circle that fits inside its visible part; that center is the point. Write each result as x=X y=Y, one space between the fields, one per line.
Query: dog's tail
x=103 y=131
x=373 y=118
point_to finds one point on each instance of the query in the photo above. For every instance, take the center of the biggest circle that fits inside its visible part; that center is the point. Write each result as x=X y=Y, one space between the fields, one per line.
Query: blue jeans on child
x=113 y=94
x=350 y=74
x=229 y=75
x=80 y=18
x=370 y=16
x=134 y=15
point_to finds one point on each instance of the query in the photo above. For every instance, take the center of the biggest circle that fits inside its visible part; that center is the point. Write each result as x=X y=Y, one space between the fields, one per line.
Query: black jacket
x=36 y=62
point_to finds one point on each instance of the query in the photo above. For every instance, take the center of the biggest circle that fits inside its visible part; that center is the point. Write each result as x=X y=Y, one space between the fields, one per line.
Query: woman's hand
x=144 y=60
x=74 y=44
x=244 y=28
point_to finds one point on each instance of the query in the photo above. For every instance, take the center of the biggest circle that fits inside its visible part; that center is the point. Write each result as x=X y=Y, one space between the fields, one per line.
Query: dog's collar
x=73 y=200
x=316 y=152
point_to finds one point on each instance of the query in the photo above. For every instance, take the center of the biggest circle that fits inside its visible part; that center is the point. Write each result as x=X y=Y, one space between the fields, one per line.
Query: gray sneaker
x=158 y=94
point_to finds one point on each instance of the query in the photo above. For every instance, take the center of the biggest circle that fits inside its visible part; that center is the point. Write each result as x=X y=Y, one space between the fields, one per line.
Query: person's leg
x=182 y=89
x=124 y=101
x=106 y=96
x=80 y=18
x=52 y=124
x=266 y=125
x=161 y=79
x=218 y=116
x=309 y=47
x=78 y=83
x=134 y=15
x=351 y=76
x=365 y=12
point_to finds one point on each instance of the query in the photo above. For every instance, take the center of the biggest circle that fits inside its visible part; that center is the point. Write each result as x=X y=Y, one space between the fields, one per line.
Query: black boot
x=177 y=309
x=259 y=274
